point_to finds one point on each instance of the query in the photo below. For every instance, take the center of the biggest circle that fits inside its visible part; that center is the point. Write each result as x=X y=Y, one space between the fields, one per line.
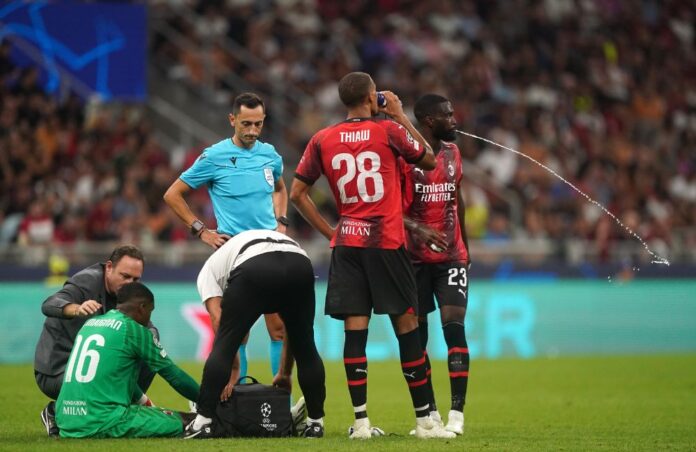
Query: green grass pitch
x=586 y=403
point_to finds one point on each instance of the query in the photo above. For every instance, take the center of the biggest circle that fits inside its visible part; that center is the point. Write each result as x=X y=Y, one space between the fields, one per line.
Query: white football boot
x=426 y=428
x=361 y=429
x=455 y=422
x=435 y=416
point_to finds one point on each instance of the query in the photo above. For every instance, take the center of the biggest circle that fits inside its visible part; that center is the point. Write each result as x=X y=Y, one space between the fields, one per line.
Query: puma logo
x=361 y=370
x=411 y=375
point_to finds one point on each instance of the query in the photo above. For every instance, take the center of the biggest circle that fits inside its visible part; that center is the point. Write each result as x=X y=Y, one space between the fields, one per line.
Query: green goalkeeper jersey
x=101 y=375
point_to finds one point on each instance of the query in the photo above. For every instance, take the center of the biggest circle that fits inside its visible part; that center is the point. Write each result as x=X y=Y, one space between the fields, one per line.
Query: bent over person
x=91 y=291
x=101 y=376
x=273 y=269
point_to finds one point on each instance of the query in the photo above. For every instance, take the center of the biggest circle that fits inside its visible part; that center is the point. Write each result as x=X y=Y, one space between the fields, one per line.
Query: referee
x=276 y=273
x=243 y=176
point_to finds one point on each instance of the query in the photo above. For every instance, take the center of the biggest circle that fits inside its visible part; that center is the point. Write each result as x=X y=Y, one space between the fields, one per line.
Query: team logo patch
x=268 y=174
x=450 y=170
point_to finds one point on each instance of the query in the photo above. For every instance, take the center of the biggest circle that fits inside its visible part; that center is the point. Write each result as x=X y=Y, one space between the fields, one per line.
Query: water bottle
x=381 y=100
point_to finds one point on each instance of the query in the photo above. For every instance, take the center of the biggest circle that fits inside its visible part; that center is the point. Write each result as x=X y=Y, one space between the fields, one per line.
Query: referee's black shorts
x=363 y=280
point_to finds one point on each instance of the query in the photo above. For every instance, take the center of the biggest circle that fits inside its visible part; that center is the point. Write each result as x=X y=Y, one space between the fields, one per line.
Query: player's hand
x=283 y=381
x=393 y=107
x=434 y=239
x=214 y=239
x=89 y=307
x=281 y=228
x=145 y=401
x=227 y=392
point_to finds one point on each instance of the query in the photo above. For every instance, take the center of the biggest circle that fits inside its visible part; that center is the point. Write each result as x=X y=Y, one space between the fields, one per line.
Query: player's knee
x=450 y=314
x=404 y=323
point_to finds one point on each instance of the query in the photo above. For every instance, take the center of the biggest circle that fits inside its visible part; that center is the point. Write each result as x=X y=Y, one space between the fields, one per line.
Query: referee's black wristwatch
x=197 y=228
x=283 y=220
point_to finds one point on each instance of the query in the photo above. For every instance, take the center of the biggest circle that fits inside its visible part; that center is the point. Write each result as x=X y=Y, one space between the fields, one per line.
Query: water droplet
x=656 y=259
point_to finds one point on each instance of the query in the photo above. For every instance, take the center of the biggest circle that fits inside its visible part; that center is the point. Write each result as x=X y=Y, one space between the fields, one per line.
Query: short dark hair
x=126 y=250
x=134 y=292
x=354 y=87
x=249 y=100
x=427 y=105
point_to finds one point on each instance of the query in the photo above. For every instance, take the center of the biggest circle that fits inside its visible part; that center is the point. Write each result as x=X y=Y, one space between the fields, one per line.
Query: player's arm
x=174 y=197
x=299 y=195
x=395 y=111
x=283 y=378
x=214 y=307
x=182 y=382
x=280 y=202
x=157 y=360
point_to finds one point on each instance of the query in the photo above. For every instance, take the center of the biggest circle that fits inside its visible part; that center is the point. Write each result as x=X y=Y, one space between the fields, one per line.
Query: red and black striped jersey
x=359 y=159
x=430 y=198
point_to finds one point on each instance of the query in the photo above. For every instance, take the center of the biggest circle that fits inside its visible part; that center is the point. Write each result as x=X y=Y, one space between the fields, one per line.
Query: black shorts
x=449 y=282
x=365 y=279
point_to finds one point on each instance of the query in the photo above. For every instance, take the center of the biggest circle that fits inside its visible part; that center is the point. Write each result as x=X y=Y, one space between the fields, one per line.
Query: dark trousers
x=51 y=384
x=279 y=282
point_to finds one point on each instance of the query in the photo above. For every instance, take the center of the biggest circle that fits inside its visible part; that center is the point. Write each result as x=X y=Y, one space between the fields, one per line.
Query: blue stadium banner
x=101 y=44
x=513 y=319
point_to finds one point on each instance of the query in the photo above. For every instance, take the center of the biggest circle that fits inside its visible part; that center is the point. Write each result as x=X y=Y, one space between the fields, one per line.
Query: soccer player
x=369 y=268
x=437 y=244
x=89 y=292
x=276 y=272
x=101 y=376
x=244 y=180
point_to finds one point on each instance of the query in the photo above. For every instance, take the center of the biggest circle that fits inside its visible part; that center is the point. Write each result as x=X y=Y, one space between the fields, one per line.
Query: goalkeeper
x=101 y=376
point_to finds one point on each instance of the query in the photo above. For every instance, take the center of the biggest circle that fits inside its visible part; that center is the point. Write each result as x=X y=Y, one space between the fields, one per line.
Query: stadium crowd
x=73 y=172
x=602 y=92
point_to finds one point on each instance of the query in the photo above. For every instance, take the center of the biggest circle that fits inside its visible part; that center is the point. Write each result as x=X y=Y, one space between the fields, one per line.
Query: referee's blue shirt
x=240 y=183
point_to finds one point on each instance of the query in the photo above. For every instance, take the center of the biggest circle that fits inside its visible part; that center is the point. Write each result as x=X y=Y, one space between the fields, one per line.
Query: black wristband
x=283 y=220
x=197 y=228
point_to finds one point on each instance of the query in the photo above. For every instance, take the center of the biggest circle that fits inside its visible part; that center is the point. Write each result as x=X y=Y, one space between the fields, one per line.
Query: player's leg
x=348 y=298
x=297 y=314
x=426 y=305
x=50 y=386
x=241 y=354
x=147 y=422
x=451 y=287
x=276 y=332
x=394 y=292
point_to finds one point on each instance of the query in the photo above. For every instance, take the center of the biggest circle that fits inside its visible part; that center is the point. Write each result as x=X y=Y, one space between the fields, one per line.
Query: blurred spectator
x=604 y=93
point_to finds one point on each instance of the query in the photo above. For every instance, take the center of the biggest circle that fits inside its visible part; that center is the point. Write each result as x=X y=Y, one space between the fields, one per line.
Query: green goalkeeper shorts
x=145 y=422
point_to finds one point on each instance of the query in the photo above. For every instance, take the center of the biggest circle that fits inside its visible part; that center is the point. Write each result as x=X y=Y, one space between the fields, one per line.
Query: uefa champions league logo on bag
x=266 y=413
